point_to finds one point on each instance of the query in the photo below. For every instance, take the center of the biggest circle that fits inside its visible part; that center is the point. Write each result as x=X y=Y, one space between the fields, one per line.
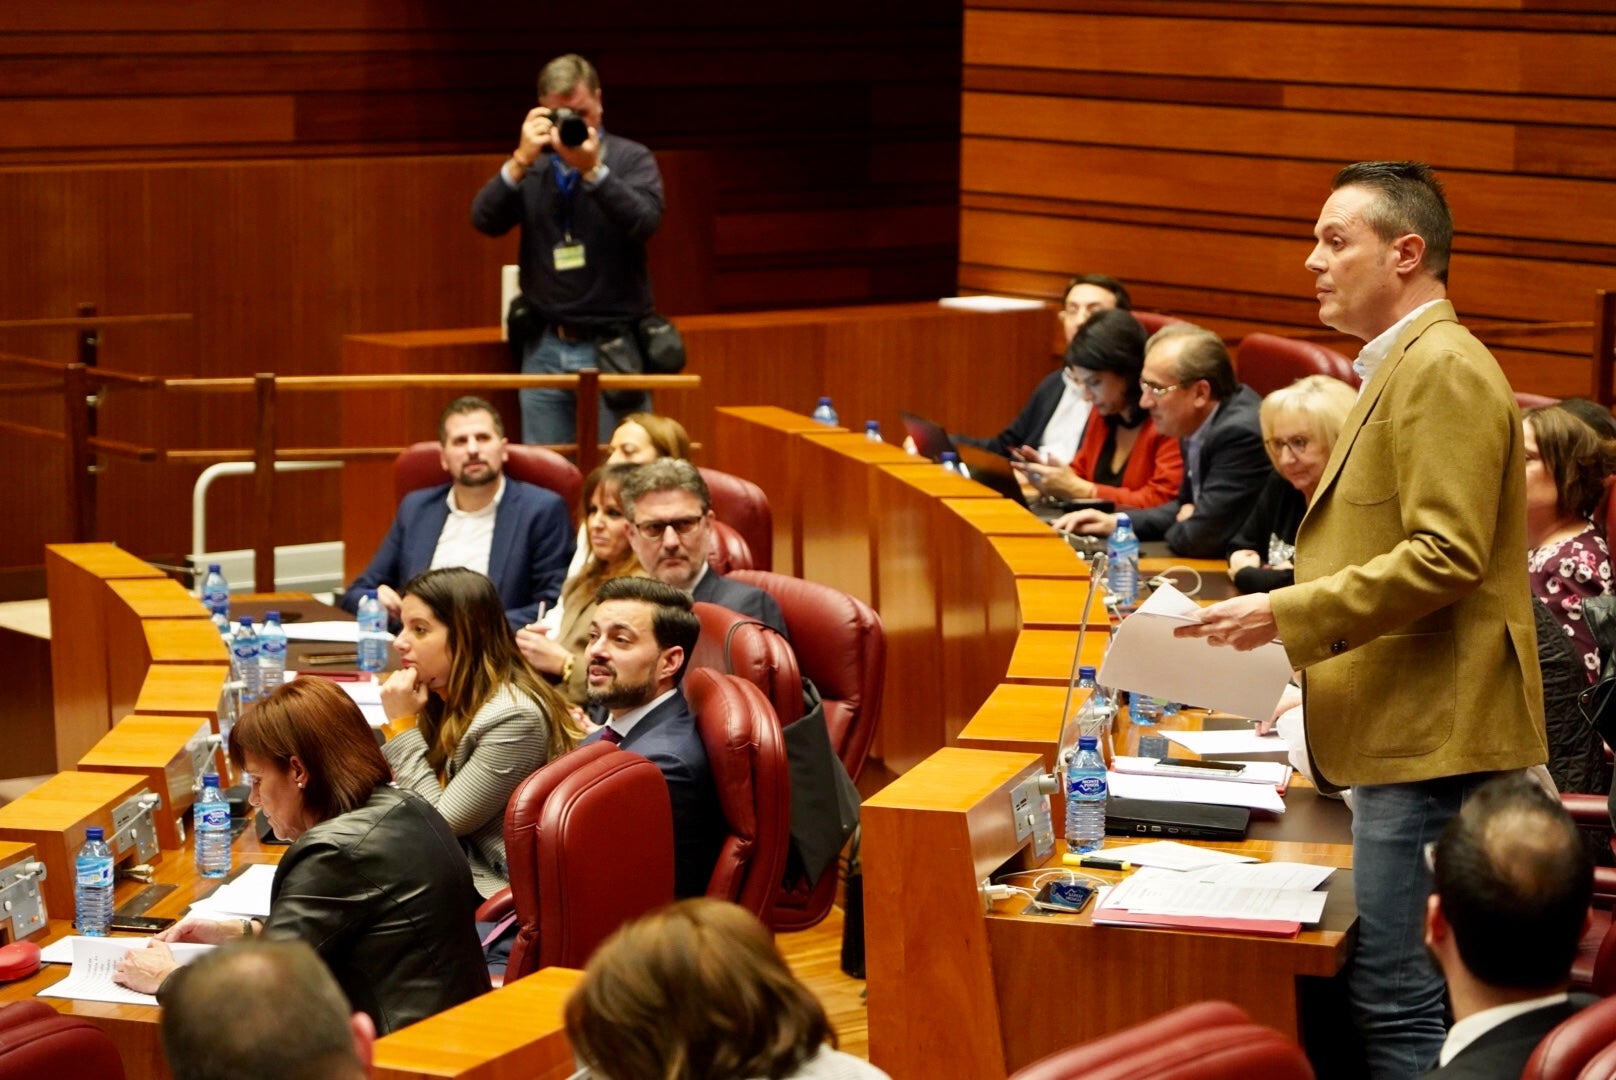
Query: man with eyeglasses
x=668 y=503
x=1410 y=619
x=1190 y=390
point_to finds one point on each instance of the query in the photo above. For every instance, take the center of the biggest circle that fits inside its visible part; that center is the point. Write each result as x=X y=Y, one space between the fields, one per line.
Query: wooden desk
x=516 y=1031
x=755 y=441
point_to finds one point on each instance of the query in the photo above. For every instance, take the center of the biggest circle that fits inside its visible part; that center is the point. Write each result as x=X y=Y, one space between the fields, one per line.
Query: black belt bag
x=648 y=346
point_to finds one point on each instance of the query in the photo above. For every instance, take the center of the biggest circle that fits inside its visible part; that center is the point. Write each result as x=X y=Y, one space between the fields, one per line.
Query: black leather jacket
x=384 y=895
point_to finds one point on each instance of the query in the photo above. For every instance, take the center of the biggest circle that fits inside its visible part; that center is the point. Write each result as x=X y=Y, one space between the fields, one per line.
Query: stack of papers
x=93 y=959
x=1273 y=773
x=1179 y=789
x=1274 y=899
x=247 y=897
x=1228 y=743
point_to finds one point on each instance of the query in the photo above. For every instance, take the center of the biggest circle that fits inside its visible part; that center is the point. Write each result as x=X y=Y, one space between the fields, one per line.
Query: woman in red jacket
x=1122 y=457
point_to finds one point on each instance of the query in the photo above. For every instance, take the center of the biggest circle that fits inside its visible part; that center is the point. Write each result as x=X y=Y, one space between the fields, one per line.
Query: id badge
x=569 y=256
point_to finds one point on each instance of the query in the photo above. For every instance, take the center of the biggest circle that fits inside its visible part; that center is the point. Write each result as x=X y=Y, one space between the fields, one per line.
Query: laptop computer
x=990 y=470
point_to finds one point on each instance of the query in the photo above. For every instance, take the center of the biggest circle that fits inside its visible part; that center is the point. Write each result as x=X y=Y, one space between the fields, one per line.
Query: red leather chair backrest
x=1568 y=1049
x=743 y=506
x=419 y=467
x=36 y=1040
x=748 y=759
x=1524 y=401
x=730 y=551
x=560 y=824
x=1153 y=321
x=1266 y=362
x=840 y=644
x=1211 y=1040
x=756 y=653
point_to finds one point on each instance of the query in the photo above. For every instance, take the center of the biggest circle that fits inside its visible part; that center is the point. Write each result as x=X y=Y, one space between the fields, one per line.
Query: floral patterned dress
x=1565 y=573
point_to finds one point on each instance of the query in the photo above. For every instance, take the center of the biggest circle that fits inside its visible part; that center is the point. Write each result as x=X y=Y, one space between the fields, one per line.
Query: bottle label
x=92 y=871
x=215 y=817
x=1087 y=787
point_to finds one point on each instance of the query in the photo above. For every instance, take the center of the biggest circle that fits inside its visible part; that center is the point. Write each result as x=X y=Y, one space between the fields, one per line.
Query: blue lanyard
x=567 y=180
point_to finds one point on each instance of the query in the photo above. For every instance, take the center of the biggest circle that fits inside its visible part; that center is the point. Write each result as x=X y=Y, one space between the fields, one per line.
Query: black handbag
x=662 y=349
x=619 y=354
x=1598 y=702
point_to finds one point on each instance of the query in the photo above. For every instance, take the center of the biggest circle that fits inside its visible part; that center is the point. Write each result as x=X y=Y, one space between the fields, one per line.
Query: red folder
x=1260 y=927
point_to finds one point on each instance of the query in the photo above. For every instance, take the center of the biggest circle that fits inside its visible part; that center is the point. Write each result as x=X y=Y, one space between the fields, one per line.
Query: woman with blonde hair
x=1300 y=423
x=641 y=437
x=555 y=645
x=484 y=719
x=697 y=991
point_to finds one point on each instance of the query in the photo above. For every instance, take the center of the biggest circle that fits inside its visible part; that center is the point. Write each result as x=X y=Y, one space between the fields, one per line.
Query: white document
x=1220 y=743
x=1269 y=875
x=341 y=632
x=1276 y=773
x=1177 y=789
x=989 y=303
x=364 y=693
x=1189 y=897
x=1146 y=657
x=247 y=897
x=1172 y=855
x=93 y=960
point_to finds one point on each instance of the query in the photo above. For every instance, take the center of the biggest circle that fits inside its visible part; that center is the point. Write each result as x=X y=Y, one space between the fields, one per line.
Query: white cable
x=1162 y=579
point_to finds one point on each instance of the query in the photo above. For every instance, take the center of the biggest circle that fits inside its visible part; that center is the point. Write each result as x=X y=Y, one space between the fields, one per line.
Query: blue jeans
x=1396 y=992
x=551 y=416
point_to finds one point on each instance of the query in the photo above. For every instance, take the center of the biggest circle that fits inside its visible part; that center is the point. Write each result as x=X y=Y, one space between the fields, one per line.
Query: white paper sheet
x=1178 y=789
x=247 y=897
x=1146 y=657
x=1189 y=897
x=93 y=961
x=1223 y=743
x=1269 y=875
x=341 y=632
x=60 y=951
x=1172 y=855
x=1275 y=773
x=364 y=693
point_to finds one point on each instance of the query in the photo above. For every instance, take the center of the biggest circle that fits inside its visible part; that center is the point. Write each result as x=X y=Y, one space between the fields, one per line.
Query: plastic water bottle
x=1144 y=710
x=1105 y=710
x=212 y=824
x=216 y=598
x=872 y=431
x=952 y=463
x=244 y=657
x=825 y=414
x=372 y=634
x=271 y=653
x=1085 y=797
x=1122 y=563
x=92 y=885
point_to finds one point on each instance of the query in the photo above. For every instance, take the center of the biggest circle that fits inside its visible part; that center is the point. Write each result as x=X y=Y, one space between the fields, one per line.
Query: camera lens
x=574 y=132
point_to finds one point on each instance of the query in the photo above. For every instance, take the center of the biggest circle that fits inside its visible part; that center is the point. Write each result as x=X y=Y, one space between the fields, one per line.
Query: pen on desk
x=316 y=659
x=1094 y=862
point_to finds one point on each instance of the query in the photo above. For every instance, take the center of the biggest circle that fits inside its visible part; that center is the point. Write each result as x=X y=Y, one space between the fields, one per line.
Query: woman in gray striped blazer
x=484 y=719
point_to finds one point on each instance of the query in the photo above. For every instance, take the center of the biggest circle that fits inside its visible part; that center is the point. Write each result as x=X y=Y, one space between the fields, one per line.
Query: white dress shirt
x=467 y=536
x=1474 y=1026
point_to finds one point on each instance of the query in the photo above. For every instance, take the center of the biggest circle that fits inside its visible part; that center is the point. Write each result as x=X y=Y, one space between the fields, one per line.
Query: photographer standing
x=587 y=204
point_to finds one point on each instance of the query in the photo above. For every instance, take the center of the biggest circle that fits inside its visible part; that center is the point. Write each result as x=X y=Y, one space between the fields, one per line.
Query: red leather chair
x=36 y=1040
x=1266 y=362
x=1526 y=401
x=1153 y=321
x=743 y=506
x=1210 y=1040
x=730 y=551
x=419 y=467
x=1567 y=1052
x=560 y=824
x=740 y=645
x=748 y=758
x=1594 y=969
x=841 y=646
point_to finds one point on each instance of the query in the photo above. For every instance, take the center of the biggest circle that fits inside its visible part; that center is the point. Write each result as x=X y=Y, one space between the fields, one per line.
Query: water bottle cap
x=1085 y=672
x=825 y=400
x=949 y=455
x=213 y=568
x=1123 y=519
x=246 y=620
x=872 y=425
x=272 y=616
x=370 y=594
x=210 y=779
x=94 y=832
x=1088 y=742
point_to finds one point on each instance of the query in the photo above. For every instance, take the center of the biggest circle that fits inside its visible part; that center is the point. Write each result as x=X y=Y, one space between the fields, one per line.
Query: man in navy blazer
x=1511 y=882
x=668 y=503
x=1190 y=390
x=518 y=534
x=640 y=638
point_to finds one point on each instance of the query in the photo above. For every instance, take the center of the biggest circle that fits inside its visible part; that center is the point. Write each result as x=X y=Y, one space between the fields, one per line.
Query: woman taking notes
x=484 y=719
x=374 y=879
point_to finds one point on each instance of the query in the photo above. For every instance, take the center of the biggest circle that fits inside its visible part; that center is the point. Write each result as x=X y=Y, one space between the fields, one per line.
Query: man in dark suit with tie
x=640 y=638
x=668 y=503
x=519 y=535
x=1509 y=904
x=1190 y=390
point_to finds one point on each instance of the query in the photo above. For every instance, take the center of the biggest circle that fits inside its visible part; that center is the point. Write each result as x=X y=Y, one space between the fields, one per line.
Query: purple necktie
x=610 y=734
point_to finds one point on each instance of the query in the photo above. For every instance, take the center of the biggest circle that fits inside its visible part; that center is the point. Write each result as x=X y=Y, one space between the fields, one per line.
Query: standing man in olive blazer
x=1410 y=617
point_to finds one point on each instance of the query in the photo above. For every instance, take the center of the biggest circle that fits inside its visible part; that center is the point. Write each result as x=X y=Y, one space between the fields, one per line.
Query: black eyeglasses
x=684 y=527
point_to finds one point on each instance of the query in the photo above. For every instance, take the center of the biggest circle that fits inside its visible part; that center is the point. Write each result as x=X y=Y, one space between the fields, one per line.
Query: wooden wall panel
x=1187 y=145
x=291 y=173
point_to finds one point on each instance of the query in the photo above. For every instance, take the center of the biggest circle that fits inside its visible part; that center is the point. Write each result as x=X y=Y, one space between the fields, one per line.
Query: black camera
x=574 y=132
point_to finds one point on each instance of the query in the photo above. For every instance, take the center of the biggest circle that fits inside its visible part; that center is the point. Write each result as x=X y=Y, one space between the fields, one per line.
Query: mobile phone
x=1228 y=768
x=140 y=924
x=1063 y=896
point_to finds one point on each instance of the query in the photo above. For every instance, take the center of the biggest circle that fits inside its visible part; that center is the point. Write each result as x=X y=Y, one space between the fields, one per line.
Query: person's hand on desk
x=143 y=970
x=1244 y=623
x=542 y=651
x=1245 y=559
x=205 y=931
x=1087 y=523
x=390 y=600
x=402 y=694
